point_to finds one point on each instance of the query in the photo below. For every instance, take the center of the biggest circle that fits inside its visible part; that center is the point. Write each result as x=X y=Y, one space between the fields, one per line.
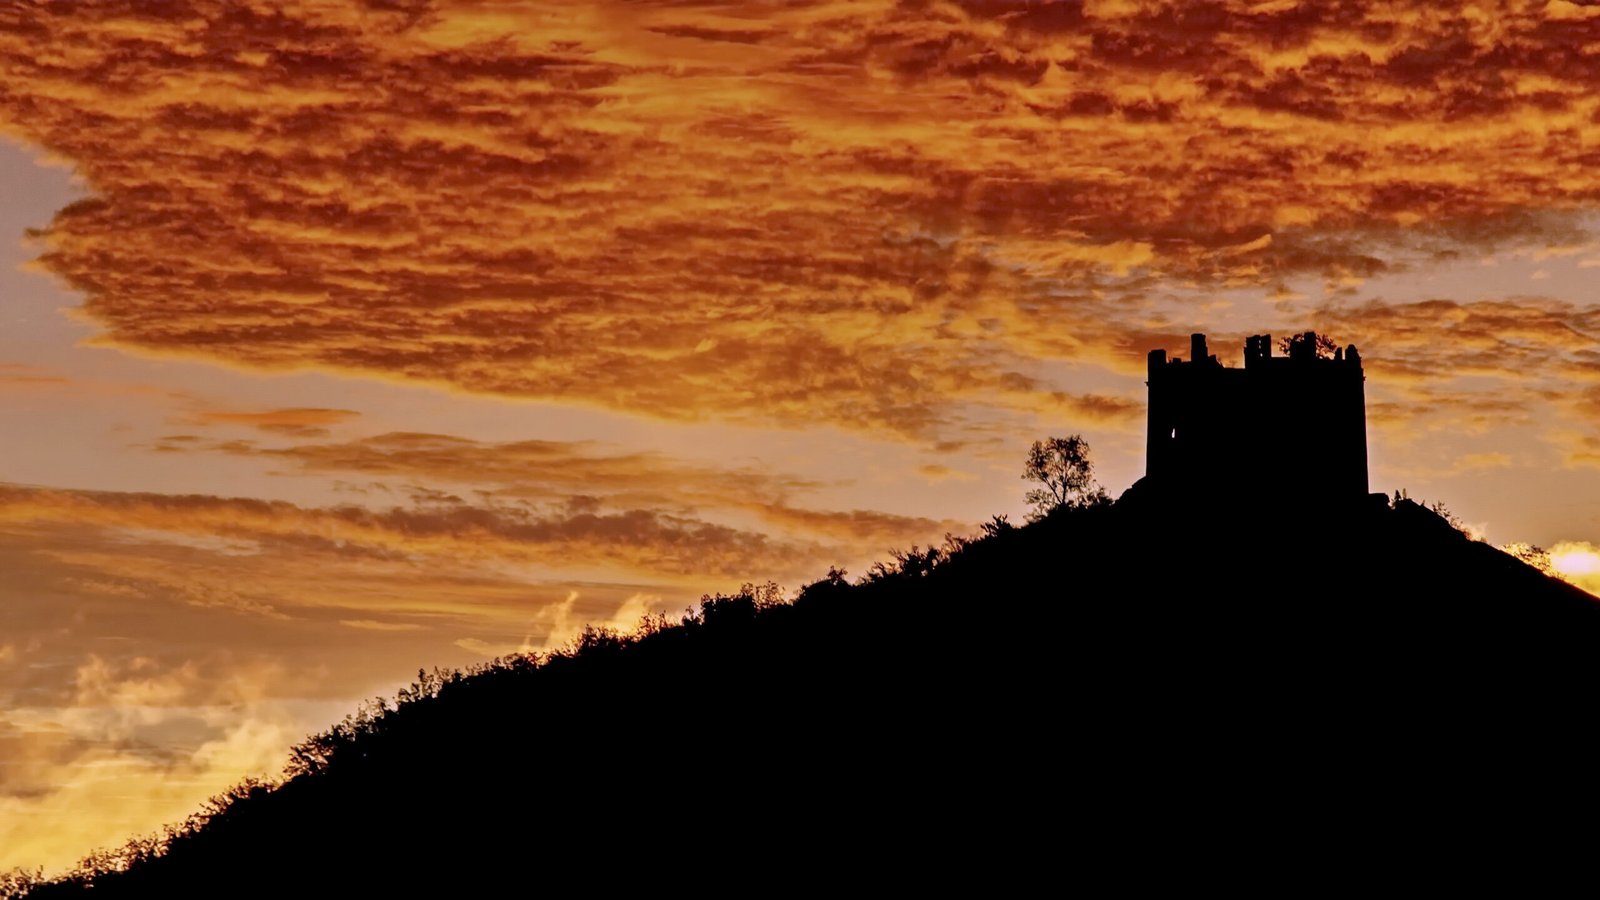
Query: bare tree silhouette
x=1062 y=468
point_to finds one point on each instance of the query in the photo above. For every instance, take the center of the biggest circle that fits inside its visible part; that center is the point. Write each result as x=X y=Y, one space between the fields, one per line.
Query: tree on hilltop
x=1065 y=475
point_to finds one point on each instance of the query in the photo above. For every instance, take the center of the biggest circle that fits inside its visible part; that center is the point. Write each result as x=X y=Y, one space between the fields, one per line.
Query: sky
x=344 y=338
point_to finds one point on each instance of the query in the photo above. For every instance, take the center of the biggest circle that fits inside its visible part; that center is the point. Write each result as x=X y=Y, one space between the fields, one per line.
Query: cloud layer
x=583 y=476
x=869 y=213
x=635 y=540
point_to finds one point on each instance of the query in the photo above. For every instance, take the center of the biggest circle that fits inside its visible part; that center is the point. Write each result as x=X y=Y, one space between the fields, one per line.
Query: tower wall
x=1159 y=422
x=1280 y=425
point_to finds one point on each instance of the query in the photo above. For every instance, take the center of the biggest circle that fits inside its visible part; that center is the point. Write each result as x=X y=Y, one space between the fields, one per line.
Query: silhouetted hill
x=1131 y=688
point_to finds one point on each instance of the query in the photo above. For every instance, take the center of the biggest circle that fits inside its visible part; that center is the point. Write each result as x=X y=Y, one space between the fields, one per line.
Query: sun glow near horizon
x=1577 y=562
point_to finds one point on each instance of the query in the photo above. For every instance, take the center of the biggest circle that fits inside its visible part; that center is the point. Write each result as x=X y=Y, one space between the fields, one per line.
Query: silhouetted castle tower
x=1290 y=428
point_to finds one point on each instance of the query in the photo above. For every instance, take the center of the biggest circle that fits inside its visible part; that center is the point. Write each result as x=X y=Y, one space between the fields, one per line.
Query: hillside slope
x=1049 y=696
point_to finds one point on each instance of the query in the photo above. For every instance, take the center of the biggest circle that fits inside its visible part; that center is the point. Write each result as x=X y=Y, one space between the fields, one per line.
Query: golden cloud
x=864 y=213
x=86 y=790
x=581 y=474
x=134 y=744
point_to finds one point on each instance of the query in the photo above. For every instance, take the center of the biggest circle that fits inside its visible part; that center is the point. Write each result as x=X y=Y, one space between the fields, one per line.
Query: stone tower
x=1288 y=428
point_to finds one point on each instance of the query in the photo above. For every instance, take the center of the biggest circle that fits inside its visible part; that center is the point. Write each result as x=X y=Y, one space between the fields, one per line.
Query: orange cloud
x=379 y=625
x=14 y=376
x=637 y=540
x=581 y=474
x=869 y=527
x=531 y=469
x=299 y=422
x=1478 y=367
x=858 y=213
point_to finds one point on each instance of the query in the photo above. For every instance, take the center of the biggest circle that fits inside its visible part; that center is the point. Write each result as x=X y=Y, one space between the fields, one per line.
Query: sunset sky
x=342 y=338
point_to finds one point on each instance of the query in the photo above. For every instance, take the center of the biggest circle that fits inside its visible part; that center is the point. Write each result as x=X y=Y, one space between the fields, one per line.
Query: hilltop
x=976 y=716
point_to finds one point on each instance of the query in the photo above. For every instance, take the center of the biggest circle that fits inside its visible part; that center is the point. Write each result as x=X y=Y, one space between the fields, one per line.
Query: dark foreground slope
x=1049 y=699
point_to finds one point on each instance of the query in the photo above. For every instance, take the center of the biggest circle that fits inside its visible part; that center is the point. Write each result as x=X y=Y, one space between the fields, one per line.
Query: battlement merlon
x=1257 y=354
x=1257 y=347
x=1157 y=361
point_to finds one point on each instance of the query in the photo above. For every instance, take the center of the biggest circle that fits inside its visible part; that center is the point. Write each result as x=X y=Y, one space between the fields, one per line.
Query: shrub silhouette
x=1322 y=345
x=969 y=717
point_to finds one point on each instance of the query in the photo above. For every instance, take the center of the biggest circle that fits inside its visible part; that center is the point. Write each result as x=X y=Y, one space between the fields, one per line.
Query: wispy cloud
x=294 y=422
x=636 y=540
x=581 y=475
